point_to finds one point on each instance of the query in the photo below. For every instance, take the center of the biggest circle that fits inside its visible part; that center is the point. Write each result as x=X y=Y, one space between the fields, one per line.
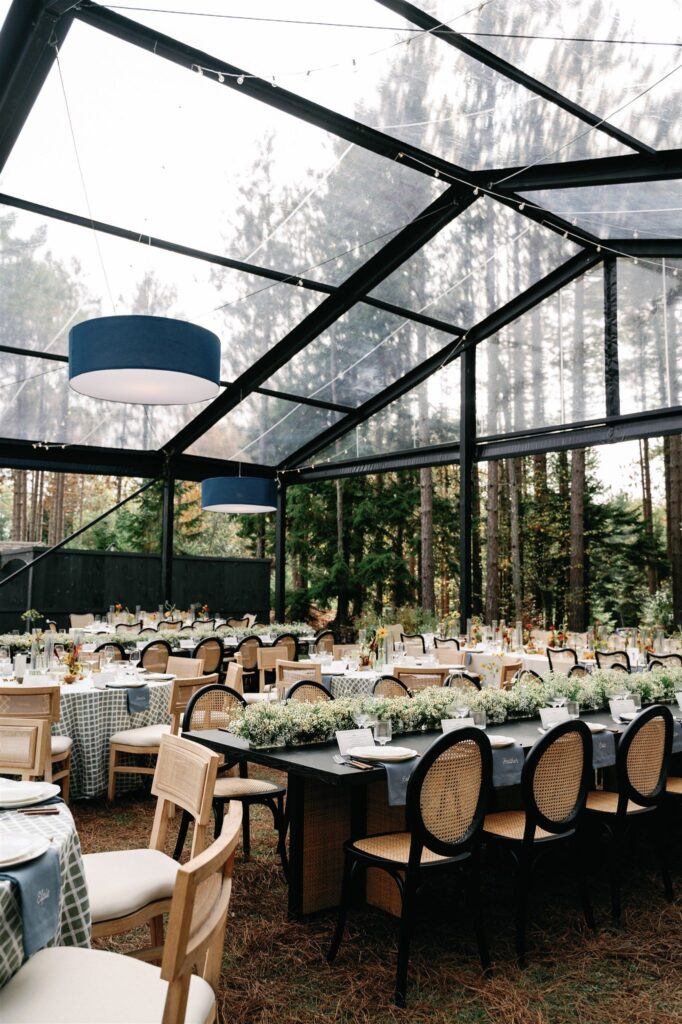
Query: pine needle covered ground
x=274 y=970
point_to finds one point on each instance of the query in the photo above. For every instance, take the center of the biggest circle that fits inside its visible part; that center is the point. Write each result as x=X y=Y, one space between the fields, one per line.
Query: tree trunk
x=514 y=475
x=492 y=589
x=426 y=494
x=647 y=509
x=674 y=487
x=19 y=504
x=541 y=596
x=343 y=596
x=576 y=582
x=476 y=565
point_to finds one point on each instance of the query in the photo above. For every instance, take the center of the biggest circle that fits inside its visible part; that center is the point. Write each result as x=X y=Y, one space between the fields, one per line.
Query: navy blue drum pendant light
x=238 y=494
x=145 y=360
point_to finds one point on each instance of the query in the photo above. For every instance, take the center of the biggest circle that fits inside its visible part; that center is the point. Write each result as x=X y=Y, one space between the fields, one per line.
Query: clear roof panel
x=653 y=209
x=360 y=355
x=264 y=430
x=172 y=154
x=619 y=61
x=476 y=264
x=54 y=274
x=547 y=367
x=423 y=91
x=427 y=415
x=37 y=404
x=649 y=334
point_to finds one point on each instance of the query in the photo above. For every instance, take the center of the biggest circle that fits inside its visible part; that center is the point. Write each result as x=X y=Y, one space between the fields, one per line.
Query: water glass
x=109 y=655
x=636 y=699
x=573 y=709
x=480 y=719
x=361 y=718
x=383 y=731
x=362 y=636
x=398 y=650
x=4 y=654
x=461 y=708
x=134 y=657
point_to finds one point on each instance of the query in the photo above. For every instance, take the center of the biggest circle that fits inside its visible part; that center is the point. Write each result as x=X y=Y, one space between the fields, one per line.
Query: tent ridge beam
x=662 y=165
x=515 y=74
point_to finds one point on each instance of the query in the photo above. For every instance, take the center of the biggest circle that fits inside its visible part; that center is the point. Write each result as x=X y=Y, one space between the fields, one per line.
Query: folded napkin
x=603 y=749
x=507 y=765
x=39 y=886
x=677 y=737
x=138 y=699
x=398 y=775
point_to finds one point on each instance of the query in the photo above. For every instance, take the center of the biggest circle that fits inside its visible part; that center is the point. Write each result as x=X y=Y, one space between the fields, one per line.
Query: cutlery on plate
x=38 y=810
x=350 y=762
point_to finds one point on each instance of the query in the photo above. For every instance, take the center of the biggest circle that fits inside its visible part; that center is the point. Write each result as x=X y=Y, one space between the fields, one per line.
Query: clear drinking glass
x=461 y=708
x=636 y=699
x=361 y=718
x=383 y=731
x=573 y=709
x=134 y=657
x=480 y=719
x=109 y=655
x=398 y=650
x=4 y=654
x=362 y=636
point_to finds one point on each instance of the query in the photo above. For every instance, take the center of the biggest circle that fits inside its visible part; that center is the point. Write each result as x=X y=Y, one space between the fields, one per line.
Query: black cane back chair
x=556 y=655
x=211 y=651
x=119 y=649
x=663 y=660
x=463 y=679
x=414 y=643
x=389 y=686
x=527 y=675
x=155 y=656
x=641 y=773
x=446 y=798
x=290 y=644
x=308 y=692
x=215 y=707
x=450 y=641
x=578 y=671
x=613 y=659
x=554 y=782
x=324 y=642
x=248 y=659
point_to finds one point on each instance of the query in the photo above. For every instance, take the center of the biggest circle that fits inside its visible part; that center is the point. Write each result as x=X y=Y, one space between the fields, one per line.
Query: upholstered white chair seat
x=146 y=736
x=69 y=985
x=61 y=744
x=123 y=881
x=229 y=787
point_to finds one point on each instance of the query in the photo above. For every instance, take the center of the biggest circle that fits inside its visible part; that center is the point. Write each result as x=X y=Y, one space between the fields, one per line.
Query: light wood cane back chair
x=420 y=678
x=289 y=672
x=24 y=747
x=42 y=702
x=185 y=668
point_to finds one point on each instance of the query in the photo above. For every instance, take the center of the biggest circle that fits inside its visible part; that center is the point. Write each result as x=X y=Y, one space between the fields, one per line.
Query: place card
x=451 y=724
x=624 y=706
x=552 y=716
x=347 y=738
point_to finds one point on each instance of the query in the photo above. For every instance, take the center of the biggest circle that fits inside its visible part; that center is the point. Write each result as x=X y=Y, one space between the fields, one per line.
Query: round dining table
x=74 y=905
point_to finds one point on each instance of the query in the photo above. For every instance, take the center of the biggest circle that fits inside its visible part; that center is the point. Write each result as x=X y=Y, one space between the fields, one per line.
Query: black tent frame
x=32 y=32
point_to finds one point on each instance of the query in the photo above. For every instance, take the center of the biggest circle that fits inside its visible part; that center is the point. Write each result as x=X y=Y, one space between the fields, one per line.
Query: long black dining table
x=329 y=803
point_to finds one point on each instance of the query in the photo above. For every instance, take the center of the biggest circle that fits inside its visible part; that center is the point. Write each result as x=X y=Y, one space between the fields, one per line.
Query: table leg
x=320 y=820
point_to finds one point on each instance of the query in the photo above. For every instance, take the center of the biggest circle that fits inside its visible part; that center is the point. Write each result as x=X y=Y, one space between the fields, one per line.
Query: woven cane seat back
x=607 y=659
x=31 y=702
x=291 y=675
x=211 y=651
x=557 y=778
x=214 y=709
x=324 y=643
x=644 y=762
x=390 y=688
x=247 y=650
x=155 y=656
x=288 y=644
x=309 y=693
x=24 y=745
x=419 y=680
x=450 y=792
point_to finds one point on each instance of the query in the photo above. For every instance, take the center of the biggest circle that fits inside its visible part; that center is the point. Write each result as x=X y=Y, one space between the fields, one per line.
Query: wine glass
x=398 y=650
x=362 y=636
x=109 y=654
x=361 y=718
x=383 y=731
x=461 y=708
x=134 y=657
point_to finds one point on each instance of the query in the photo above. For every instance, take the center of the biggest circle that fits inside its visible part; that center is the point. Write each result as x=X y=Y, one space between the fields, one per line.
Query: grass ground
x=274 y=970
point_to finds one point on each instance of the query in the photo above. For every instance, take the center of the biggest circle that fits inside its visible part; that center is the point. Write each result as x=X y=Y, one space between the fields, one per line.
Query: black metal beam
x=662 y=165
x=467 y=468
x=28 y=40
x=503 y=67
x=413 y=458
x=663 y=247
x=539 y=291
x=280 y=552
x=346 y=128
x=444 y=209
x=267 y=273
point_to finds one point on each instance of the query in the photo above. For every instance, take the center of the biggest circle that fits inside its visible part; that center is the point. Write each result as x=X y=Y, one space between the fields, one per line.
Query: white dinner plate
x=500 y=741
x=629 y=716
x=23 y=794
x=596 y=727
x=125 y=684
x=160 y=677
x=19 y=849
x=387 y=754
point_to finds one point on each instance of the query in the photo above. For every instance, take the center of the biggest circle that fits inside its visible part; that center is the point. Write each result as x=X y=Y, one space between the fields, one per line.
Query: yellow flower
x=382 y=633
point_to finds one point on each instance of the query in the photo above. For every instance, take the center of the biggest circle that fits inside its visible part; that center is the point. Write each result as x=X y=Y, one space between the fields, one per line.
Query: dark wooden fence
x=91 y=581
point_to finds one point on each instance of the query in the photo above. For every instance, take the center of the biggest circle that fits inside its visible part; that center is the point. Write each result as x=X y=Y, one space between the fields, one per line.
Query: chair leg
x=218 y=811
x=246 y=831
x=156 y=931
x=182 y=835
x=277 y=809
x=404 y=936
x=661 y=852
x=583 y=886
x=111 y=789
x=349 y=866
x=524 y=873
x=66 y=781
x=476 y=910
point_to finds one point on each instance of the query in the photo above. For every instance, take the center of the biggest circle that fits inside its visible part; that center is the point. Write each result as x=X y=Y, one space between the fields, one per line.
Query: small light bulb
x=599 y=248
x=199 y=70
x=635 y=234
x=476 y=190
x=240 y=80
x=221 y=78
x=522 y=206
x=436 y=173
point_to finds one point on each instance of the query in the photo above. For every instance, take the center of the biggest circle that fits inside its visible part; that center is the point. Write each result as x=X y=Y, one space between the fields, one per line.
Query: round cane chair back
x=324 y=642
x=308 y=692
x=643 y=755
x=450 y=641
x=211 y=651
x=213 y=707
x=246 y=649
x=448 y=791
x=558 y=657
x=288 y=642
x=462 y=680
x=155 y=656
x=389 y=686
x=527 y=675
x=578 y=671
x=664 y=660
x=119 y=650
x=555 y=778
x=612 y=659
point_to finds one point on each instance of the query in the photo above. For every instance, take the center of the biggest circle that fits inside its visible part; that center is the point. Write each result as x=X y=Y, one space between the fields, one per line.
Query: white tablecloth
x=74 y=926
